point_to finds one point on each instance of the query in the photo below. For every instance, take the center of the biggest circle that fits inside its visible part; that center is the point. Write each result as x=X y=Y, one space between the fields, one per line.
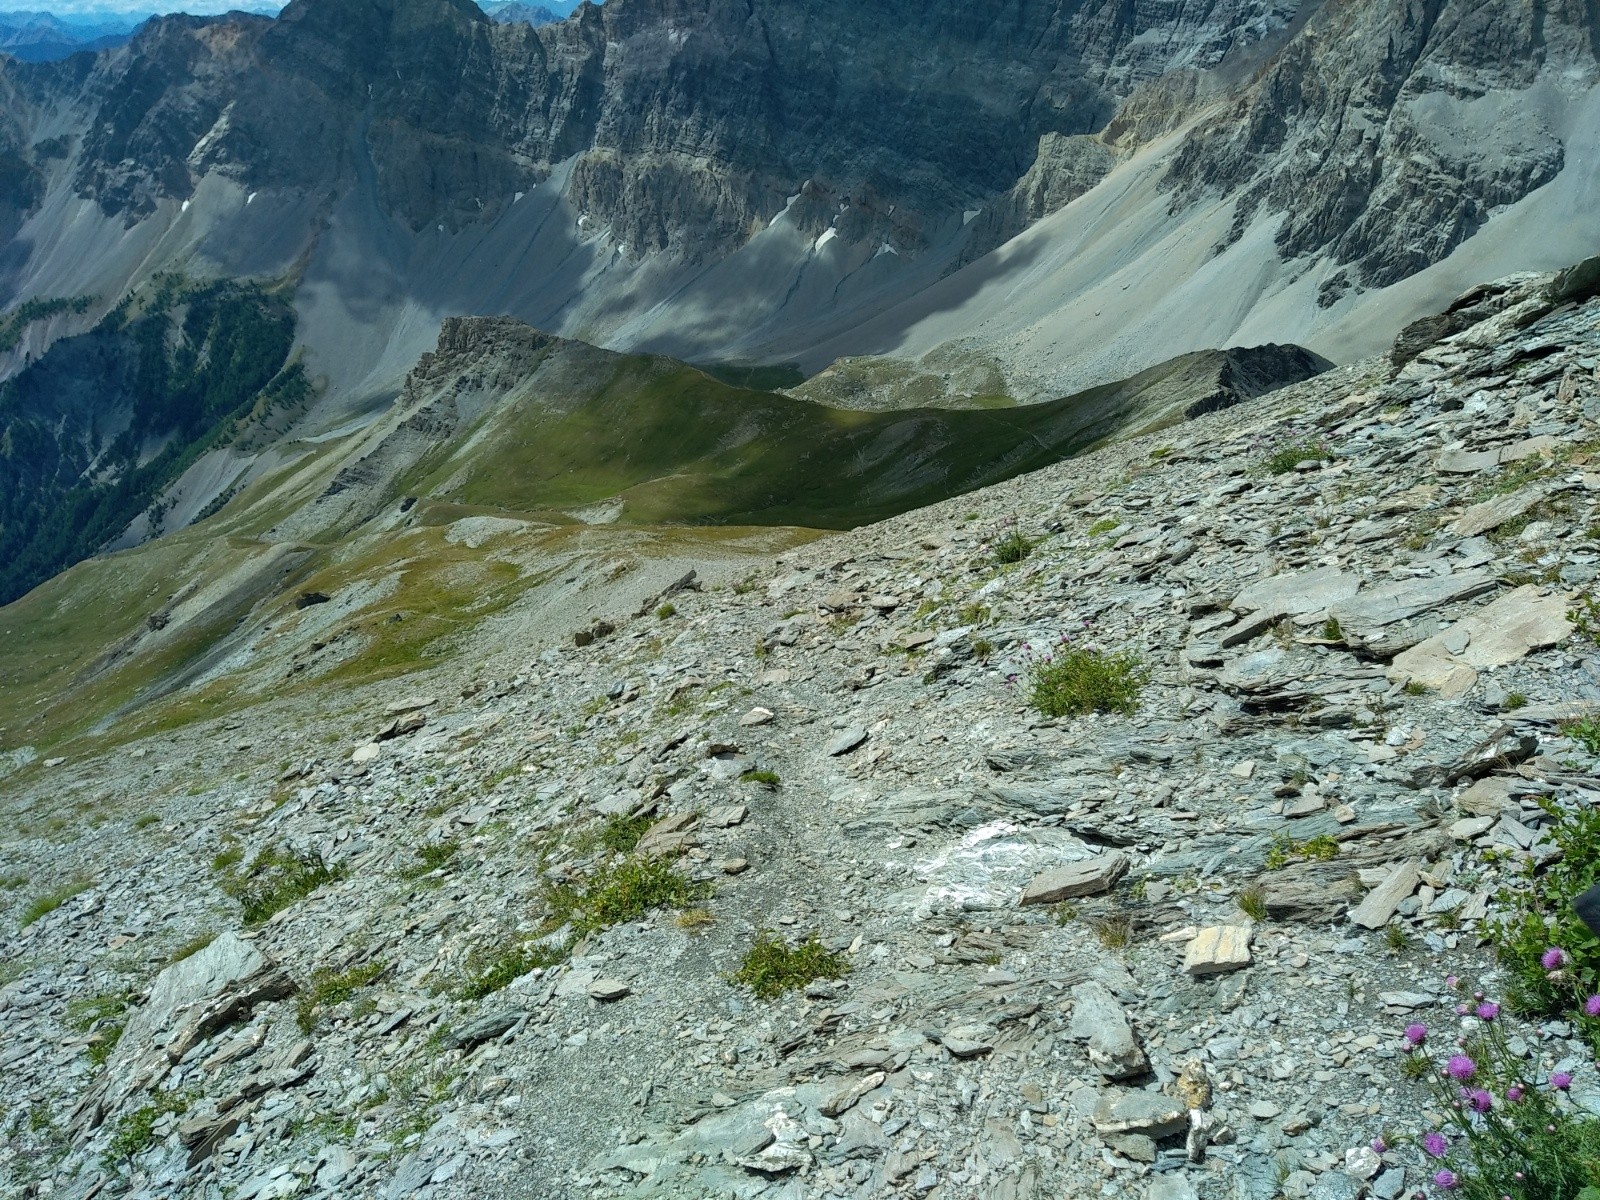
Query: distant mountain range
x=44 y=37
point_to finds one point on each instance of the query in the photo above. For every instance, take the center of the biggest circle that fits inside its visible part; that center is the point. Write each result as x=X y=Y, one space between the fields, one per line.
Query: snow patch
x=971 y=215
x=828 y=235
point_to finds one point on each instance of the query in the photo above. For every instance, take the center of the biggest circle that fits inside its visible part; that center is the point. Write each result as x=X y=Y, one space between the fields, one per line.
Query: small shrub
x=621 y=834
x=276 y=879
x=973 y=614
x=136 y=1131
x=982 y=649
x=1286 y=849
x=145 y=820
x=694 y=920
x=1585 y=731
x=1332 y=631
x=1012 y=547
x=1507 y=1132
x=1515 y=701
x=772 y=967
x=431 y=856
x=1548 y=952
x=47 y=903
x=767 y=779
x=622 y=891
x=1114 y=932
x=1286 y=457
x=666 y=612
x=1076 y=681
x=328 y=988
x=1252 y=902
x=488 y=977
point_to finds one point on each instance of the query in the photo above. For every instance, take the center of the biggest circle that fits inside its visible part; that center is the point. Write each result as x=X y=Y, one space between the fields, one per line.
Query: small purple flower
x=1488 y=1010
x=1445 y=1179
x=1379 y=1146
x=1416 y=1034
x=1452 y=982
x=1480 y=1100
x=1561 y=1081
x=1592 y=1006
x=1462 y=1010
x=1460 y=1068
x=1514 y=1093
x=1436 y=1144
x=1553 y=959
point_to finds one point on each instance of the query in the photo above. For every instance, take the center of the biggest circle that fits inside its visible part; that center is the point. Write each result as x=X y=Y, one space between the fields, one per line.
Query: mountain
x=1066 y=190
x=43 y=37
x=515 y=13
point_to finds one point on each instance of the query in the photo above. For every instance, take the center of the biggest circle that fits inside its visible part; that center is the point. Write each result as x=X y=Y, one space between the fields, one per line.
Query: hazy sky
x=91 y=9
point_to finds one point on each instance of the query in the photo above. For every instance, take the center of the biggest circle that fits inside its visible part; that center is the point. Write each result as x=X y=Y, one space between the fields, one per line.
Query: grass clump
x=1115 y=932
x=101 y=1015
x=48 y=902
x=1286 y=457
x=1012 y=547
x=1286 y=849
x=489 y=975
x=277 y=878
x=765 y=778
x=666 y=612
x=192 y=947
x=621 y=834
x=431 y=856
x=694 y=920
x=329 y=988
x=136 y=1131
x=772 y=966
x=1076 y=681
x=1585 y=731
x=1252 y=902
x=623 y=891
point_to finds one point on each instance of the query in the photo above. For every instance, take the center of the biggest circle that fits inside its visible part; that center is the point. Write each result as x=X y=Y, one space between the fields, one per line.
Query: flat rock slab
x=608 y=990
x=1496 y=511
x=1088 y=878
x=1292 y=595
x=1218 y=948
x=1100 y=1021
x=1375 y=607
x=756 y=716
x=1149 y=1113
x=1382 y=901
x=968 y=1041
x=846 y=741
x=1503 y=632
x=484 y=1029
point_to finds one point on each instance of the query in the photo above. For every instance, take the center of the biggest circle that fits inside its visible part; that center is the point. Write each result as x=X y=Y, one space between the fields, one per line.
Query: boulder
x=1088 y=878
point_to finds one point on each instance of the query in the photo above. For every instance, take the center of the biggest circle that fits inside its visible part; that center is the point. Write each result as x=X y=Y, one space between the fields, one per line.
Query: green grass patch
x=487 y=974
x=275 y=879
x=326 y=989
x=192 y=947
x=48 y=902
x=1286 y=849
x=1074 y=681
x=431 y=856
x=622 y=891
x=135 y=1132
x=764 y=777
x=772 y=966
x=621 y=834
x=1286 y=457
x=1012 y=547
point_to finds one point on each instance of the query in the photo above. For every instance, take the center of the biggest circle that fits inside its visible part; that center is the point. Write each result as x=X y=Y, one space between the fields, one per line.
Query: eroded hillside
x=486 y=928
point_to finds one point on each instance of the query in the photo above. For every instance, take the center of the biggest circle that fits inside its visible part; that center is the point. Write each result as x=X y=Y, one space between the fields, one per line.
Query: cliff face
x=794 y=148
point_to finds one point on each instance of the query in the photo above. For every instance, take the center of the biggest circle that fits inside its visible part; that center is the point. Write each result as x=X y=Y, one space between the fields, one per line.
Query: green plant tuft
x=275 y=879
x=1075 y=682
x=328 y=988
x=772 y=966
x=766 y=778
x=47 y=903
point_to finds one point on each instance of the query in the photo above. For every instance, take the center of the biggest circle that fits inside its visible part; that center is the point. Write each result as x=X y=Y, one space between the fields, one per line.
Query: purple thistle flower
x=1462 y=1010
x=1452 y=981
x=1592 y=1006
x=1379 y=1146
x=1416 y=1034
x=1436 y=1144
x=1514 y=1092
x=1444 y=1178
x=1561 y=1081
x=1460 y=1068
x=1481 y=1100
x=1488 y=1010
x=1553 y=959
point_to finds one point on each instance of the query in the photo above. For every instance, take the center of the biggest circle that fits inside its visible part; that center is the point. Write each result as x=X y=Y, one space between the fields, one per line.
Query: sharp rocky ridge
x=1048 y=184
x=1370 y=646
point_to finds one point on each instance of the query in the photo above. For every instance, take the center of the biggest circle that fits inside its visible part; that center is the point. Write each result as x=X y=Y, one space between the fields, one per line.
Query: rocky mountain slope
x=476 y=925
x=719 y=181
